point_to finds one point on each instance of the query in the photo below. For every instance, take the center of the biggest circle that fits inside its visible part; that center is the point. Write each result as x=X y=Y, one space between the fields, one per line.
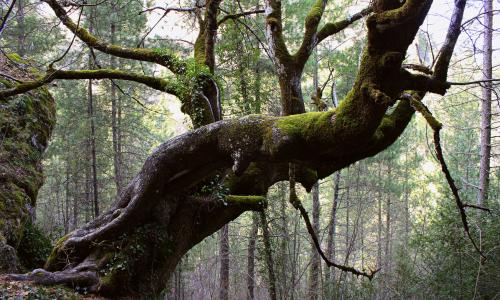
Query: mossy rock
x=26 y=123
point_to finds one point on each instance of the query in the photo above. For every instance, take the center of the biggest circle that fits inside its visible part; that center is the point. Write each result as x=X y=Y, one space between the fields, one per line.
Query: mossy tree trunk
x=195 y=183
x=26 y=123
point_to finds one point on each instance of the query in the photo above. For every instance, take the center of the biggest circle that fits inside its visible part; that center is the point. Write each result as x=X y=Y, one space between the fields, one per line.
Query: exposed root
x=72 y=278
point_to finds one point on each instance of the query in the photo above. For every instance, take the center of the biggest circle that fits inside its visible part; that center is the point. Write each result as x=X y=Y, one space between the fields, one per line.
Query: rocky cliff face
x=26 y=123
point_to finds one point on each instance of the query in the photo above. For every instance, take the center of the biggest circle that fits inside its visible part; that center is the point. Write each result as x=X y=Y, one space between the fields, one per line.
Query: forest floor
x=26 y=290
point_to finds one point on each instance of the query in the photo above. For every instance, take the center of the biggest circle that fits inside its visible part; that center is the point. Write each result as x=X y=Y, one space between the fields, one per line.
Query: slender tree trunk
x=92 y=137
x=387 y=249
x=406 y=203
x=224 y=262
x=67 y=201
x=484 y=167
x=315 y=262
x=114 y=122
x=347 y=220
x=379 y=223
x=295 y=260
x=283 y=257
x=88 y=187
x=21 y=28
x=380 y=289
x=76 y=198
x=269 y=255
x=251 y=257
x=332 y=228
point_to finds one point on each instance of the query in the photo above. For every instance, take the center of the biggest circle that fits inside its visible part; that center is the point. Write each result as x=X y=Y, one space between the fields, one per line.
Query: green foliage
x=34 y=248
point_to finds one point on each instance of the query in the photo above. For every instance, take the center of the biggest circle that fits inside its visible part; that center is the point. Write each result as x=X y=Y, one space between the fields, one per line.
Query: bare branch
x=294 y=200
x=436 y=127
x=4 y=19
x=475 y=82
x=477 y=207
x=169 y=9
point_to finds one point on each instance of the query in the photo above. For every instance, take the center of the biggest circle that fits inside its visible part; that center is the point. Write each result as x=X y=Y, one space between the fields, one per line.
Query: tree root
x=73 y=278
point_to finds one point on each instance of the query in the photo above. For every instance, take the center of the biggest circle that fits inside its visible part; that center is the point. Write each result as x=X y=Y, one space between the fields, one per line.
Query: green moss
x=55 y=261
x=315 y=13
x=306 y=125
x=16 y=58
x=246 y=200
x=199 y=48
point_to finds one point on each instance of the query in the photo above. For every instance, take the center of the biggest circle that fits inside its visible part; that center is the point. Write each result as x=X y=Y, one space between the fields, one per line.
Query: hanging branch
x=294 y=200
x=436 y=126
x=4 y=19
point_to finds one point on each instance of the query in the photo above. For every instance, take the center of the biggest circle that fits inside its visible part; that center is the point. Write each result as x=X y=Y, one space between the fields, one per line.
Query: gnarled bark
x=133 y=248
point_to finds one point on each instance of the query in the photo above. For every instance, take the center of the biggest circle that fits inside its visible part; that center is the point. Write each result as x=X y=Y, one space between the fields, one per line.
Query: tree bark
x=115 y=121
x=251 y=258
x=21 y=27
x=92 y=133
x=315 y=262
x=485 y=146
x=269 y=256
x=313 y=290
x=224 y=262
x=332 y=228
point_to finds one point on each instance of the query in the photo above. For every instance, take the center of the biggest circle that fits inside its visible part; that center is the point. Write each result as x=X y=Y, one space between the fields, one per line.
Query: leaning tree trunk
x=26 y=123
x=174 y=202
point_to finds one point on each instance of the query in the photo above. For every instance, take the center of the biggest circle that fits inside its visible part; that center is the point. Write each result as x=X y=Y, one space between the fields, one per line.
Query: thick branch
x=161 y=58
x=332 y=28
x=309 y=40
x=424 y=83
x=274 y=34
x=408 y=12
x=239 y=15
x=155 y=83
x=454 y=29
x=211 y=33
